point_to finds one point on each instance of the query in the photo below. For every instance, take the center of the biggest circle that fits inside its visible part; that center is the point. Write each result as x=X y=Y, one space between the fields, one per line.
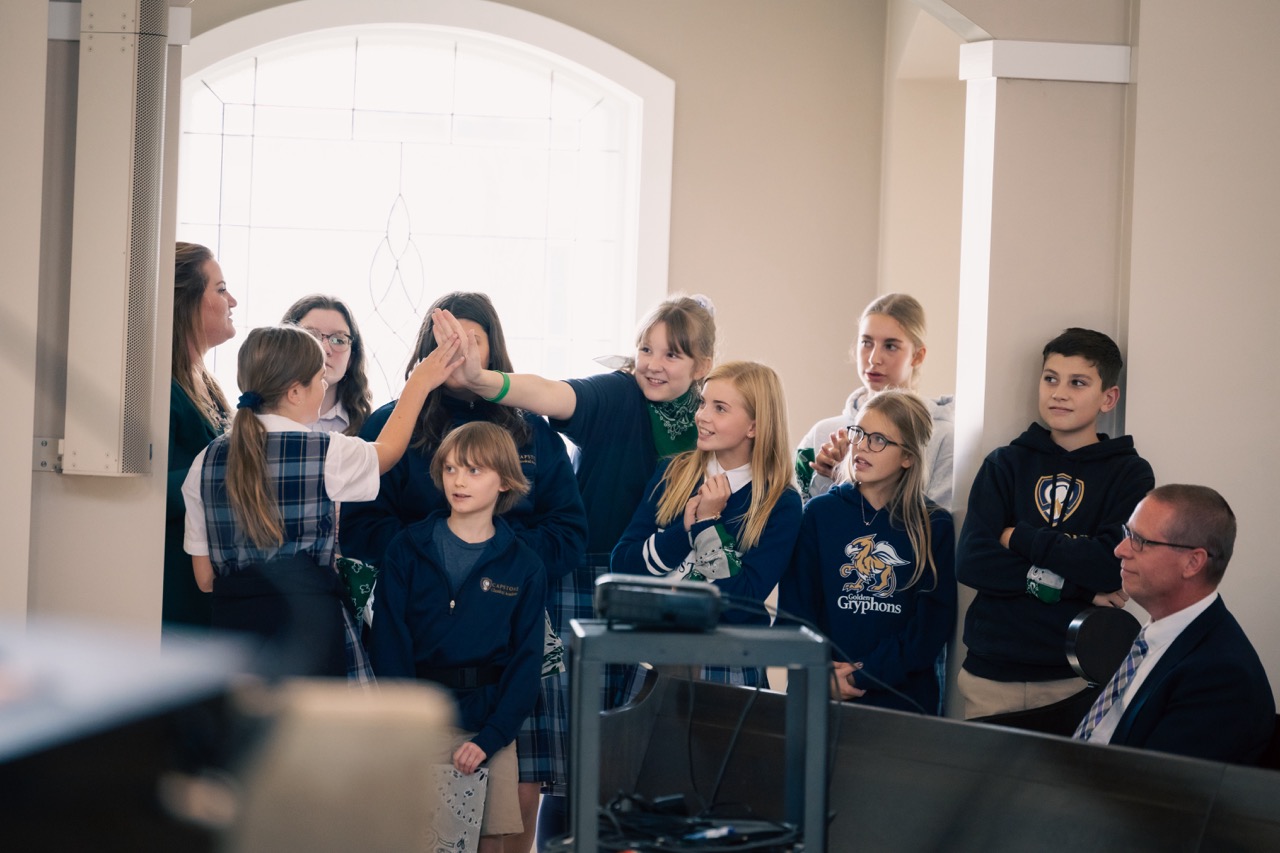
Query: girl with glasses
x=889 y=353
x=874 y=563
x=348 y=401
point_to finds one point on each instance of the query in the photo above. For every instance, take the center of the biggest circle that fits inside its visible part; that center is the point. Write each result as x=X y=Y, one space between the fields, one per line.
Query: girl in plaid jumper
x=260 y=503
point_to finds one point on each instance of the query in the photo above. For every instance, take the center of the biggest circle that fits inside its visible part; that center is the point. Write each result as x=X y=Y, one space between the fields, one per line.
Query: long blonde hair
x=909 y=415
x=771 y=468
x=272 y=359
x=189 y=371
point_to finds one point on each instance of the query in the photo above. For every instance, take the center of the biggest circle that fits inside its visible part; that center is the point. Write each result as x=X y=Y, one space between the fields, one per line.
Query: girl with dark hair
x=198 y=411
x=348 y=401
x=260 y=503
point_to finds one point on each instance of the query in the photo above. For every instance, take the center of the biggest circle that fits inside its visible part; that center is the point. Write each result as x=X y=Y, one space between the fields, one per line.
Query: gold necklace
x=863 y=507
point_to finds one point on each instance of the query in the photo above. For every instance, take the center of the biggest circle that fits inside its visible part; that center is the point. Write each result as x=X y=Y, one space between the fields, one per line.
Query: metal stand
x=805 y=654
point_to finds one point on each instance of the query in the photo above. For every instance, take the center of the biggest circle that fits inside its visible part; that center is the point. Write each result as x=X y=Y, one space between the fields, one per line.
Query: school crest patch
x=1058 y=497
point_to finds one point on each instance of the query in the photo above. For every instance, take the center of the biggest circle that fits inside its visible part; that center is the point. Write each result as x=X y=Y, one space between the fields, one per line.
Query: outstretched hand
x=446 y=325
x=439 y=365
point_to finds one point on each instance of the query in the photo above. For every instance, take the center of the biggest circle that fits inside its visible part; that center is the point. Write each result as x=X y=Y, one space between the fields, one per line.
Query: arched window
x=388 y=163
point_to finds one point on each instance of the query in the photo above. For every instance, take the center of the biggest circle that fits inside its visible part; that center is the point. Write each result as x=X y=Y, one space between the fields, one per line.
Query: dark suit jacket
x=1208 y=697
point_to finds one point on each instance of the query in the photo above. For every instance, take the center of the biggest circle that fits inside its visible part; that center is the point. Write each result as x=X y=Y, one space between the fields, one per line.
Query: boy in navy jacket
x=460 y=602
x=1045 y=515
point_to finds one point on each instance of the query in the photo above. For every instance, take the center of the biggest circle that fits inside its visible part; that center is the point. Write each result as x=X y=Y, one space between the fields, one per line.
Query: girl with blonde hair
x=889 y=352
x=874 y=564
x=727 y=511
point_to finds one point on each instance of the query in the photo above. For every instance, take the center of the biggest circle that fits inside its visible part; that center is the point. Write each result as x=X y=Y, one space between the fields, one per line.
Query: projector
x=657 y=604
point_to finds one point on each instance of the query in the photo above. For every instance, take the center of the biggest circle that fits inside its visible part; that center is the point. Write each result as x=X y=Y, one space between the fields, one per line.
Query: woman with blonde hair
x=727 y=511
x=889 y=353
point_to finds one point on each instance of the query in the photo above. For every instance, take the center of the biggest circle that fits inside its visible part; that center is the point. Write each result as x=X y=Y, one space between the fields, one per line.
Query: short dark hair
x=1094 y=347
x=1202 y=518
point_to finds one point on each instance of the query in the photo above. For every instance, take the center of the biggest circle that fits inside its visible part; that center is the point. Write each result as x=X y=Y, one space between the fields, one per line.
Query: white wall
x=1203 y=279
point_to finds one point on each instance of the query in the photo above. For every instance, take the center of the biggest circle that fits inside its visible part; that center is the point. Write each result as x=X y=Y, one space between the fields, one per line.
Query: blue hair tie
x=249 y=400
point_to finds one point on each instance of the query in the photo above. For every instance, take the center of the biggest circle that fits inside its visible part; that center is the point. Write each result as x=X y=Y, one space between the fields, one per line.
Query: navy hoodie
x=1065 y=508
x=849 y=576
x=494 y=618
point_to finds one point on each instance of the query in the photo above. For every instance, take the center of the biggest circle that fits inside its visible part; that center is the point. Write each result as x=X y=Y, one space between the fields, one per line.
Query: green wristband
x=506 y=386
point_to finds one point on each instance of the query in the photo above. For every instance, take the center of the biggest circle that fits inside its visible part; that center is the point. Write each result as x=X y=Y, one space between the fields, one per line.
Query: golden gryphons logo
x=873 y=564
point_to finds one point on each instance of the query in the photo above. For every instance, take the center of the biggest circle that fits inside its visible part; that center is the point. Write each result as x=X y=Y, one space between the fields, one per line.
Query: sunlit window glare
x=387 y=166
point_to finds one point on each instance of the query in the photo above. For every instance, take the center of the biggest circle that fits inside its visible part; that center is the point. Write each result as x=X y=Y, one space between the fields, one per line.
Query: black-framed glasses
x=338 y=340
x=1141 y=542
x=875 y=441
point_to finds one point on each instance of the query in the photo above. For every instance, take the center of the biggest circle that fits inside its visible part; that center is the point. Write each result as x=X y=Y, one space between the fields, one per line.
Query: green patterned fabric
x=673 y=428
x=358 y=579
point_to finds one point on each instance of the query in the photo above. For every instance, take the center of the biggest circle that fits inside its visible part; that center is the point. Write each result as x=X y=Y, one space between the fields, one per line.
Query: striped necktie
x=1114 y=689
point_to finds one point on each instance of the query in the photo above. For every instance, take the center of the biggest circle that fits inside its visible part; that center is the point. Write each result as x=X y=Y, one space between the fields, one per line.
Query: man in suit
x=1196 y=686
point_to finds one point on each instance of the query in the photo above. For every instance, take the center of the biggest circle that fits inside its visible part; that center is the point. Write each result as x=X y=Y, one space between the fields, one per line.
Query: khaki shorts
x=501 y=804
x=984 y=697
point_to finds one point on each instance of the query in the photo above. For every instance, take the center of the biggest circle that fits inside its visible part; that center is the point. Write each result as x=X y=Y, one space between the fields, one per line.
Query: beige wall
x=1203 y=282
x=22 y=57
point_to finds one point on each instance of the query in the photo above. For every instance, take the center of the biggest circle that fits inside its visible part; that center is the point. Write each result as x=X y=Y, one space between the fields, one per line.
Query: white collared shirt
x=1159 y=635
x=334 y=420
x=738 y=477
x=350 y=474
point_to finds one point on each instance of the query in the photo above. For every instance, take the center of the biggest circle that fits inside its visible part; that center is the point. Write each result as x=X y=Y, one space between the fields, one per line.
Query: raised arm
x=528 y=391
x=427 y=375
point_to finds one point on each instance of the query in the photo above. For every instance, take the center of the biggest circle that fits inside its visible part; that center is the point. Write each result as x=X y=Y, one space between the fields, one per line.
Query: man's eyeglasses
x=1141 y=542
x=338 y=341
x=875 y=441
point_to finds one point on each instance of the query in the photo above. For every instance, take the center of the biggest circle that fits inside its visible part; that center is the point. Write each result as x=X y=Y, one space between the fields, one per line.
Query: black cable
x=733 y=741
x=752 y=606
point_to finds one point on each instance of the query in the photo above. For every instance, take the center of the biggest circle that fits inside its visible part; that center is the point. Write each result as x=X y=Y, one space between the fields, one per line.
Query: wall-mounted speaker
x=115 y=241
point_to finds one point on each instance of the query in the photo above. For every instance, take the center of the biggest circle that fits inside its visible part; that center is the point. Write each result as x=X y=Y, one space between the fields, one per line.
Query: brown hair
x=434 y=421
x=481 y=444
x=353 y=389
x=691 y=327
x=1202 y=519
x=272 y=360
x=189 y=345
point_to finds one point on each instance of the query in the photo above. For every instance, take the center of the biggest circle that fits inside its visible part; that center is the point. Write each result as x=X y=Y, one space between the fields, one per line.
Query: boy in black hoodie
x=1044 y=519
